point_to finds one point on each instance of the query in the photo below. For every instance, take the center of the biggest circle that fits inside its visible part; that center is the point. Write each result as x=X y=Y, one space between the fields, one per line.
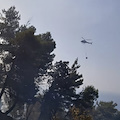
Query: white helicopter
x=85 y=41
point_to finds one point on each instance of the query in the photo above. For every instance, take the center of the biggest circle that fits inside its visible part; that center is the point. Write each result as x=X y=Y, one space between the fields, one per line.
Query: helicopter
x=85 y=41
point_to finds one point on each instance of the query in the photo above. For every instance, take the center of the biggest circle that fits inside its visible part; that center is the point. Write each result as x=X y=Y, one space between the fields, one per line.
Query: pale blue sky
x=68 y=21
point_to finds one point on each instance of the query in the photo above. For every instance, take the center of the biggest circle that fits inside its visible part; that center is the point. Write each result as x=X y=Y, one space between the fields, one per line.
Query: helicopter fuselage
x=84 y=41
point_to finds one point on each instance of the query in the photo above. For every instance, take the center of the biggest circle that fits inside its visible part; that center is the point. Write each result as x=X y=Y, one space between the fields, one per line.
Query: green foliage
x=62 y=88
x=26 y=60
x=89 y=94
x=77 y=114
x=24 y=56
x=106 y=111
x=29 y=56
x=9 y=23
x=62 y=92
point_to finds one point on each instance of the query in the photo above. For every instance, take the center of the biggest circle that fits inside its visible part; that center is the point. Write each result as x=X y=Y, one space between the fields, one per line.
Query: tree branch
x=12 y=107
x=6 y=80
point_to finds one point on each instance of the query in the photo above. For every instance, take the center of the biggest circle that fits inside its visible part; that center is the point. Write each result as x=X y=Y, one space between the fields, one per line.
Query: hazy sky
x=68 y=21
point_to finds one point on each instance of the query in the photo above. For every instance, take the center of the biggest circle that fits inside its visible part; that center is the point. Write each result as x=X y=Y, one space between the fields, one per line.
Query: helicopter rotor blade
x=88 y=39
x=83 y=38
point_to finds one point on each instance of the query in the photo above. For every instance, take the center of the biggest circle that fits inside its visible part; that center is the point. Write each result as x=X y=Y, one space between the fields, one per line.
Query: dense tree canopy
x=106 y=111
x=26 y=62
x=27 y=57
x=24 y=55
x=61 y=95
x=9 y=24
